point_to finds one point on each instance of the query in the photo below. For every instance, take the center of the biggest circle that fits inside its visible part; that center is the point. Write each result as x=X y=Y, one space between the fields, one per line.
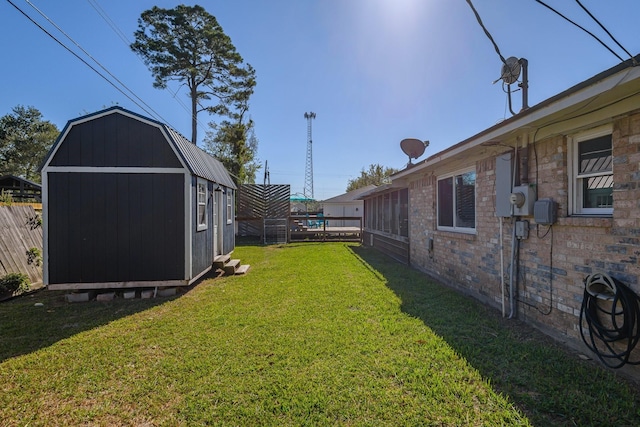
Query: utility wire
x=112 y=24
x=155 y=113
x=109 y=21
x=77 y=56
x=495 y=45
x=582 y=28
x=606 y=31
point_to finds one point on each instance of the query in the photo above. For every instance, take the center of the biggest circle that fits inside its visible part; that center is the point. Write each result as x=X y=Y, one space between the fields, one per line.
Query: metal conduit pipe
x=512 y=296
x=502 y=268
x=512 y=299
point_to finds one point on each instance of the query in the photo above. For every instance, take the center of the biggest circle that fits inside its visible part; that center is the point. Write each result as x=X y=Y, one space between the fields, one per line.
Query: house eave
x=612 y=86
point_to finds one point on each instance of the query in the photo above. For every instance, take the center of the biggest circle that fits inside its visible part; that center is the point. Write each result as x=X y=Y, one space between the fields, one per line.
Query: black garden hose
x=611 y=312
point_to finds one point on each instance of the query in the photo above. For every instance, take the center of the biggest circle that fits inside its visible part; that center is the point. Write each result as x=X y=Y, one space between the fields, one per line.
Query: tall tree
x=235 y=145
x=25 y=139
x=186 y=44
x=376 y=175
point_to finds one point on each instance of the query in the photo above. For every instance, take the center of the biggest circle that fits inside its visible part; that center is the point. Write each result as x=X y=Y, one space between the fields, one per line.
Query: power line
x=109 y=21
x=606 y=31
x=495 y=45
x=156 y=114
x=77 y=56
x=112 y=24
x=582 y=28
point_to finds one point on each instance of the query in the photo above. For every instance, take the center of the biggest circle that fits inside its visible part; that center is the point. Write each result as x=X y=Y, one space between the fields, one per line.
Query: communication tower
x=308 y=171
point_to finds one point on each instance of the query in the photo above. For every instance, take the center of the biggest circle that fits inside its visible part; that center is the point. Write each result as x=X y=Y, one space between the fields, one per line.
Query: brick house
x=578 y=154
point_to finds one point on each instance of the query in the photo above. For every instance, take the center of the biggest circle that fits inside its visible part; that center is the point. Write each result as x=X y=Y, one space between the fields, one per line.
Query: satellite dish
x=413 y=147
x=510 y=70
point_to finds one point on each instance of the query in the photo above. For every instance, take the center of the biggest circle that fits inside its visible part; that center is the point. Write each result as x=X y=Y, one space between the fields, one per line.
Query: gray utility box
x=545 y=211
x=504 y=173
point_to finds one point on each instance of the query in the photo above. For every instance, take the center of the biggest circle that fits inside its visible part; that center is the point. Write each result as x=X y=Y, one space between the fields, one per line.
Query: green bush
x=34 y=256
x=13 y=282
x=6 y=197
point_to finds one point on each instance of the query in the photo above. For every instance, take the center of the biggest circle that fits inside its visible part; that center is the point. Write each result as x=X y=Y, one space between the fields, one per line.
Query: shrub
x=34 y=256
x=6 y=197
x=13 y=282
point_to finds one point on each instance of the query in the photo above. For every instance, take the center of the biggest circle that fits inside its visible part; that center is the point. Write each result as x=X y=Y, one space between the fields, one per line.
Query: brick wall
x=553 y=262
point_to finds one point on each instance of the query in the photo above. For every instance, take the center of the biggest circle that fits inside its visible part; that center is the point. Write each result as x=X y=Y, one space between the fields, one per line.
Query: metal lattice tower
x=308 y=171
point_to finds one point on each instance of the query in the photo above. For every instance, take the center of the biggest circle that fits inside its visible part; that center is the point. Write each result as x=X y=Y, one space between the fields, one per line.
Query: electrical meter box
x=522 y=198
x=544 y=211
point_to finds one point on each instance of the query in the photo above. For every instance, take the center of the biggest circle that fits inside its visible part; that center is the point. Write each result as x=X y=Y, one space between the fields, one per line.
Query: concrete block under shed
x=107 y=296
x=129 y=294
x=78 y=297
x=146 y=294
x=166 y=292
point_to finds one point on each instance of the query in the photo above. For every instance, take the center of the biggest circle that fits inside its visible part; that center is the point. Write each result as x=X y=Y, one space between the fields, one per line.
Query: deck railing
x=321 y=228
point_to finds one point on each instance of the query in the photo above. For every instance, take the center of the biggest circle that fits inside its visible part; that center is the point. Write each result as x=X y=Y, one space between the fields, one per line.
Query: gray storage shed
x=130 y=202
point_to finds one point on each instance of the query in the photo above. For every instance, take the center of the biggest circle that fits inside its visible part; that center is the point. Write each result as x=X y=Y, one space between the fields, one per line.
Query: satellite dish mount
x=510 y=73
x=413 y=148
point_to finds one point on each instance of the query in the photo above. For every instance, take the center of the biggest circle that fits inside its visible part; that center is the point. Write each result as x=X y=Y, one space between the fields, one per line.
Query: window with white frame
x=592 y=172
x=202 y=205
x=229 y=207
x=457 y=202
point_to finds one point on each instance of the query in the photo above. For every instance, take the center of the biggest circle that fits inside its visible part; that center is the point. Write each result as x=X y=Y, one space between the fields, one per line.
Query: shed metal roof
x=199 y=162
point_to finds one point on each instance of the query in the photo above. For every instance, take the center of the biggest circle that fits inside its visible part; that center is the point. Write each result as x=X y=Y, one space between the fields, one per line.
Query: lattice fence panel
x=260 y=207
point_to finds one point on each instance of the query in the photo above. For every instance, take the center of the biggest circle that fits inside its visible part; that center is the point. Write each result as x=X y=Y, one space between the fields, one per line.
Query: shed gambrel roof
x=196 y=160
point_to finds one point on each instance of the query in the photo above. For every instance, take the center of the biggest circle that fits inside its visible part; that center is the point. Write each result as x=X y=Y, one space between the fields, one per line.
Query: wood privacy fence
x=19 y=232
x=263 y=211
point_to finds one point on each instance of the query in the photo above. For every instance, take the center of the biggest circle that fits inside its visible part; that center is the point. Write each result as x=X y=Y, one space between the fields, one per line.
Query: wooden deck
x=315 y=229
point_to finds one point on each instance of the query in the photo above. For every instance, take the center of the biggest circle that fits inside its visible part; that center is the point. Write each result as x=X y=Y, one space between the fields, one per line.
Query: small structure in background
x=20 y=189
x=129 y=202
x=346 y=205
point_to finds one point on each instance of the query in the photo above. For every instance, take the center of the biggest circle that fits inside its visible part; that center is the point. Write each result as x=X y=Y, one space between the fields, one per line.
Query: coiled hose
x=611 y=312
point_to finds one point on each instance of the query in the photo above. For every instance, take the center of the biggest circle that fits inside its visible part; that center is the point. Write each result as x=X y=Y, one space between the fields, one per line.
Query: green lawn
x=314 y=334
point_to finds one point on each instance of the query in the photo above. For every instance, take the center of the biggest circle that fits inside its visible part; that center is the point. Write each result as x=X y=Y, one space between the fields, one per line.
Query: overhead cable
x=112 y=24
x=155 y=113
x=109 y=21
x=76 y=55
x=606 y=31
x=495 y=45
x=582 y=28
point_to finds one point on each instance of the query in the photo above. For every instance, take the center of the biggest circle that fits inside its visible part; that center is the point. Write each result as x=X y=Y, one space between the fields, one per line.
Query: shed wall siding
x=112 y=227
x=229 y=236
x=552 y=265
x=202 y=242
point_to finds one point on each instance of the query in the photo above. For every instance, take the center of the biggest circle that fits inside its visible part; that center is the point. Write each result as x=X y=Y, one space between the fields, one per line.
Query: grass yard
x=315 y=334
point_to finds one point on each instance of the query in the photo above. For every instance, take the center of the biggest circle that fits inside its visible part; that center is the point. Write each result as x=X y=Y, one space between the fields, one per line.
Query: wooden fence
x=263 y=211
x=19 y=232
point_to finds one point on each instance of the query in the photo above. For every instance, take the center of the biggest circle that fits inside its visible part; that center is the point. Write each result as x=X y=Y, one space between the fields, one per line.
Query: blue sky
x=373 y=71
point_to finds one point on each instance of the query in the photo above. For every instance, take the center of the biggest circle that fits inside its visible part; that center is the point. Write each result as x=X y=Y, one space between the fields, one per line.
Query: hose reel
x=611 y=312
